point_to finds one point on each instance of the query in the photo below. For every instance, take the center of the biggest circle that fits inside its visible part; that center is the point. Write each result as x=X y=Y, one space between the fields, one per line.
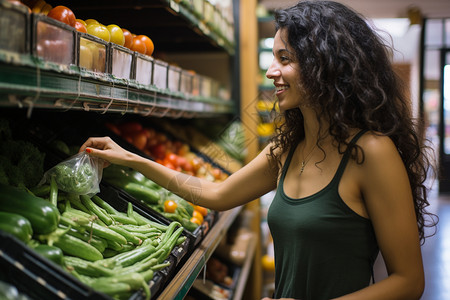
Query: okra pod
x=103 y=204
x=98 y=211
x=126 y=234
x=122 y=218
x=53 y=191
x=88 y=268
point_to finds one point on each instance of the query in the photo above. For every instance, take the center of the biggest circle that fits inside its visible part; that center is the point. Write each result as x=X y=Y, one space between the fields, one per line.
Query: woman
x=347 y=163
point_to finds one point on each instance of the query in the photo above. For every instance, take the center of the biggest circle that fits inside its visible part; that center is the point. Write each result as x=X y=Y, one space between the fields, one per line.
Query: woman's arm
x=250 y=182
x=387 y=195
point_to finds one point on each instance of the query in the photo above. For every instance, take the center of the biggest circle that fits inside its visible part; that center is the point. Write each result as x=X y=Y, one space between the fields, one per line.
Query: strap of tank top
x=287 y=163
x=346 y=156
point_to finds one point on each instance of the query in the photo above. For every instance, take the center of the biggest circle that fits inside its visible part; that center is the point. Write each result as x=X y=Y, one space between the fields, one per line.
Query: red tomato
x=63 y=14
x=172 y=158
x=139 y=140
x=159 y=151
x=128 y=38
x=169 y=165
x=130 y=127
x=80 y=27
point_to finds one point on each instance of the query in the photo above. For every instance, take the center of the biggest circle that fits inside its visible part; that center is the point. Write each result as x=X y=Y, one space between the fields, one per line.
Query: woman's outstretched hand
x=106 y=149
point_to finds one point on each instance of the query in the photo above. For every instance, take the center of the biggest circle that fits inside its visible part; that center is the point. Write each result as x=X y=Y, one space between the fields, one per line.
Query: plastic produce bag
x=80 y=174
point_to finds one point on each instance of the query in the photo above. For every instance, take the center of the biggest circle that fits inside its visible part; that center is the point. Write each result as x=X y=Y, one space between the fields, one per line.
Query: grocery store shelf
x=172 y=25
x=183 y=280
x=26 y=83
x=243 y=277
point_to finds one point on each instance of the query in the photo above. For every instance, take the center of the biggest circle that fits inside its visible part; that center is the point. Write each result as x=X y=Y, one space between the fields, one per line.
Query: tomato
x=183 y=150
x=159 y=151
x=202 y=210
x=80 y=27
x=172 y=158
x=99 y=31
x=196 y=221
x=169 y=165
x=116 y=33
x=128 y=38
x=63 y=14
x=138 y=46
x=217 y=173
x=170 y=206
x=148 y=44
x=196 y=164
x=131 y=127
x=139 y=140
x=181 y=161
x=81 y=21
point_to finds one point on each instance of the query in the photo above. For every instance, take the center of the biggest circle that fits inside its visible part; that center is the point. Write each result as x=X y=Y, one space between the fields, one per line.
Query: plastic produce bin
x=121 y=61
x=160 y=71
x=173 y=78
x=14 y=27
x=143 y=68
x=93 y=53
x=53 y=40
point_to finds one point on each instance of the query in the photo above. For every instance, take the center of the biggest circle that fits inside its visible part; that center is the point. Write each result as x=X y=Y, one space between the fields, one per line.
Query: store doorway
x=444 y=126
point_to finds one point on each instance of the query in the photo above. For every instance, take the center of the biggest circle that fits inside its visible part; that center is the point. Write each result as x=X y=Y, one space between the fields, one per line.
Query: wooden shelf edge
x=184 y=279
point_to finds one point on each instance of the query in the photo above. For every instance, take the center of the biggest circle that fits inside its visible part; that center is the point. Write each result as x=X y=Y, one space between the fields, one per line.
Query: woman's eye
x=284 y=59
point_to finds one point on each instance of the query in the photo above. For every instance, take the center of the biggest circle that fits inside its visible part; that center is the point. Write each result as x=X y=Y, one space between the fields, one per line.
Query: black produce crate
x=120 y=202
x=38 y=277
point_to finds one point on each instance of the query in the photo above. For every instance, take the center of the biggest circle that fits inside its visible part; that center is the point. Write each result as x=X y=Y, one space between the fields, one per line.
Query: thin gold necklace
x=306 y=159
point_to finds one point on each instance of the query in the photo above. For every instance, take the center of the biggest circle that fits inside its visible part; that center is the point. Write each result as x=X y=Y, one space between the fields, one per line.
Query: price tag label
x=175 y=6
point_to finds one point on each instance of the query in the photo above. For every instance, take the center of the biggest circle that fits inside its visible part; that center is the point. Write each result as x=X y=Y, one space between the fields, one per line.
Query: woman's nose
x=273 y=71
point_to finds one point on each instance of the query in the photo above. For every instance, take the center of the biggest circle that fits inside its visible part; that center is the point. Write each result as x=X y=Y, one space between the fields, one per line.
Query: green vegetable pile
x=150 y=194
x=115 y=252
x=21 y=162
x=76 y=180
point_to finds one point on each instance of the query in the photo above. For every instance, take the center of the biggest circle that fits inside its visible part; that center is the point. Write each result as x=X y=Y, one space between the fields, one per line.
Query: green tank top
x=323 y=249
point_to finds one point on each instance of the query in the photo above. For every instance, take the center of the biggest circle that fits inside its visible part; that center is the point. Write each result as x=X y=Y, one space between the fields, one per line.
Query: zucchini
x=17 y=225
x=43 y=215
x=142 y=192
x=52 y=253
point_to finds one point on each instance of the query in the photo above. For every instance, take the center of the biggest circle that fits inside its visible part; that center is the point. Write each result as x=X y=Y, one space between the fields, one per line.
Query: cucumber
x=52 y=253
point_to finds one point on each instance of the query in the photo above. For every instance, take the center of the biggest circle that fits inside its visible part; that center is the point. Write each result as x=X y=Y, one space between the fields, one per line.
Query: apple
x=116 y=34
x=99 y=31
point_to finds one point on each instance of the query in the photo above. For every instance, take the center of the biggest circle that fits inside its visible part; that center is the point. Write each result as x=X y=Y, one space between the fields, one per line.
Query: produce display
x=115 y=250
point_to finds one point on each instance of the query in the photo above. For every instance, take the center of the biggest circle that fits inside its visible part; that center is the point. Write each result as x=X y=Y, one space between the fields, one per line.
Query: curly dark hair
x=347 y=74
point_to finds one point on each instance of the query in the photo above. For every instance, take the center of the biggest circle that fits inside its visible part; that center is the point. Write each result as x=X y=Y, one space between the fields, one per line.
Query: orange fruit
x=196 y=221
x=268 y=263
x=138 y=46
x=202 y=210
x=196 y=214
x=148 y=44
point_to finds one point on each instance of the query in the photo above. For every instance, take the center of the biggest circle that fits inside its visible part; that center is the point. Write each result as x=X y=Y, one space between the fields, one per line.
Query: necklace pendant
x=302 y=168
